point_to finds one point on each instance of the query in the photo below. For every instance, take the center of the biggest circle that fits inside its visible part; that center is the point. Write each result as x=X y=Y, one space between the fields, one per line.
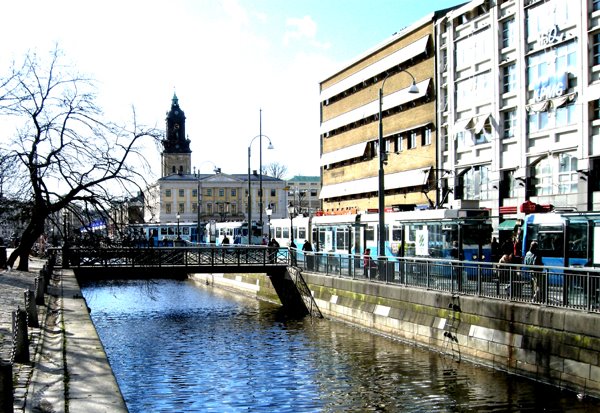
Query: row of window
x=229 y=208
x=209 y=192
x=552 y=175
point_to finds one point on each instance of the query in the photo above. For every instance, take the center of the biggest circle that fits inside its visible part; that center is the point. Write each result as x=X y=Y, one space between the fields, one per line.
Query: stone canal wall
x=556 y=346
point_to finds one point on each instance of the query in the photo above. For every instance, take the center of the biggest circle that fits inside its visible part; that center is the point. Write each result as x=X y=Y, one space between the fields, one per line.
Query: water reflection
x=179 y=347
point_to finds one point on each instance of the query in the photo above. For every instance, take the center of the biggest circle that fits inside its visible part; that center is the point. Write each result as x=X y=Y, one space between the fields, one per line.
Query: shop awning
x=507 y=225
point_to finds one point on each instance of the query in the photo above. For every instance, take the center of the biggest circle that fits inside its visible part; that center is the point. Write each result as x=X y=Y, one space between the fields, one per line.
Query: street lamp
x=199 y=189
x=291 y=211
x=178 y=216
x=383 y=160
x=260 y=186
x=269 y=212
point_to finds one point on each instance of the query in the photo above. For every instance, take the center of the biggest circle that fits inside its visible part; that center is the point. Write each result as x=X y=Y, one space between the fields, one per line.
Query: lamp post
x=269 y=212
x=250 y=185
x=291 y=211
x=178 y=216
x=199 y=189
x=382 y=161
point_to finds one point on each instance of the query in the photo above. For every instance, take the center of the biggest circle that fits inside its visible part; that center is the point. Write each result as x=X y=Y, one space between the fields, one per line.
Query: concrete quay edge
x=68 y=368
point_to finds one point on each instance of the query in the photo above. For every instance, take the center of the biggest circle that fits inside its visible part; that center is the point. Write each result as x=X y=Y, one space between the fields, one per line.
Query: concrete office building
x=518 y=115
x=350 y=106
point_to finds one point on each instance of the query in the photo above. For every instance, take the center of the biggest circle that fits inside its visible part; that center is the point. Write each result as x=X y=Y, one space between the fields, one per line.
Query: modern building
x=303 y=193
x=382 y=81
x=185 y=194
x=518 y=113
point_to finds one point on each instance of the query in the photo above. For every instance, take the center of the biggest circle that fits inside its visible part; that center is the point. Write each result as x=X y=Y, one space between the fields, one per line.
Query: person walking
x=293 y=252
x=538 y=281
x=273 y=248
x=307 y=247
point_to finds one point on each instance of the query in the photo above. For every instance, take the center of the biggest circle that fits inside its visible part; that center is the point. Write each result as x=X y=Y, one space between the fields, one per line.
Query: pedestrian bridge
x=176 y=261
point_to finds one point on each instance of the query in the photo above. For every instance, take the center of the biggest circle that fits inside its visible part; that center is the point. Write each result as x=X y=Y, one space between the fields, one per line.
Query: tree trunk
x=30 y=235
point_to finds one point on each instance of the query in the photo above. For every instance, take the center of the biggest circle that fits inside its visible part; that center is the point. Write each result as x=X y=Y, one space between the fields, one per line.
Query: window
x=209 y=191
x=194 y=207
x=168 y=208
x=561 y=116
x=476 y=183
x=412 y=140
x=168 y=193
x=509 y=78
x=556 y=174
x=426 y=138
x=233 y=192
x=221 y=192
x=508 y=185
x=508 y=33
x=558 y=60
x=595 y=5
x=273 y=192
x=209 y=208
x=596 y=109
x=181 y=209
x=181 y=193
x=509 y=120
x=596 y=49
x=194 y=193
x=398 y=143
x=313 y=192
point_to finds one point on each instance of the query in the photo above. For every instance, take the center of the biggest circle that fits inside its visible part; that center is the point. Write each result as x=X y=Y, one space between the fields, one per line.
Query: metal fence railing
x=573 y=287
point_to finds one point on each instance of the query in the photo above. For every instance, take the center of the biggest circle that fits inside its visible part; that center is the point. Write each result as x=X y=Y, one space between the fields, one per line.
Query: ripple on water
x=178 y=347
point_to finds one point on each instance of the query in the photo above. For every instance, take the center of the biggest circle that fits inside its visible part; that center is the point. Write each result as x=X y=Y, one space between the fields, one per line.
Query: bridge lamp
x=269 y=212
x=291 y=211
x=178 y=217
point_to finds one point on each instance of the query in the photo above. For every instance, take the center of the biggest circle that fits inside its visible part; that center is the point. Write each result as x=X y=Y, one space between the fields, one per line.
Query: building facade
x=303 y=192
x=350 y=105
x=184 y=194
x=518 y=97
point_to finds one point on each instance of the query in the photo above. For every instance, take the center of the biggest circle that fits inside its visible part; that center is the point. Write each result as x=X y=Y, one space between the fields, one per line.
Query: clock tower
x=176 y=156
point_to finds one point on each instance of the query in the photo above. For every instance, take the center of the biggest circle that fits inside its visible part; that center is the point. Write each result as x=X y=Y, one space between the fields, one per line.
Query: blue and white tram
x=236 y=231
x=300 y=233
x=565 y=239
x=434 y=233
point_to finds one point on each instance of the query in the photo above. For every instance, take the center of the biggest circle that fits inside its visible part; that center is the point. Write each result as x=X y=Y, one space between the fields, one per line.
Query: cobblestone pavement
x=13 y=285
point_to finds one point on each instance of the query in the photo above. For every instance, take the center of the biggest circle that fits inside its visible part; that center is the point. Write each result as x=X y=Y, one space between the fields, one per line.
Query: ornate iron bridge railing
x=130 y=257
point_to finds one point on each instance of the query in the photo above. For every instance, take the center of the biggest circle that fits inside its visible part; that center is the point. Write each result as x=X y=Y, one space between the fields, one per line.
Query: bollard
x=3 y=265
x=6 y=388
x=20 y=337
x=32 y=317
x=39 y=290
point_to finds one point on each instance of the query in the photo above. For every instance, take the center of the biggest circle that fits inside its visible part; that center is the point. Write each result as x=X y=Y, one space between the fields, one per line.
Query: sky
x=234 y=64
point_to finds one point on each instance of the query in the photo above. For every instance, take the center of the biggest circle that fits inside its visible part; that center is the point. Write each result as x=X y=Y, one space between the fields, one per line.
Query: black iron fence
x=574 y=287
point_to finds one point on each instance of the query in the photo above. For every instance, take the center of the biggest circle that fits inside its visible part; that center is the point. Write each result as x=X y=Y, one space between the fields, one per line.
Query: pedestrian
x=495 y=249
x=225 y=240
x=538 y=283
x=293 y=251
x=273 y=246
x=307 y=248
x=368 y=264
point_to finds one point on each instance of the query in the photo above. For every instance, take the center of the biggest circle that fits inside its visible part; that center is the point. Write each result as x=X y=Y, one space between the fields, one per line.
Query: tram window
x=171 y=231
x=163 y=231
x=396 y=233
x=577 y=246
x=286 y=233
x=186 y=231
x=550 y=241
x=302 y=233
x=370 y=233
x=342 y=239
x=277 y=232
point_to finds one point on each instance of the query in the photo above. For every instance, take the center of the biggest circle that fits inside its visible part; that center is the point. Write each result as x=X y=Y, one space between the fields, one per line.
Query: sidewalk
x=68 y=367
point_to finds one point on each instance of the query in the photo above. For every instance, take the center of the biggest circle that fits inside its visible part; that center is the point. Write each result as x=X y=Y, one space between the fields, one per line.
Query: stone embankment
x=51 y=359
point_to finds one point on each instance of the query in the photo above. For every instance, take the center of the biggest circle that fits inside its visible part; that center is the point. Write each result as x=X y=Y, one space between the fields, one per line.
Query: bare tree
x=65 y=156
x=275 y=169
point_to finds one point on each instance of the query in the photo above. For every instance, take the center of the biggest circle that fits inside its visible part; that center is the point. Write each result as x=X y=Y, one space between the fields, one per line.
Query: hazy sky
x=225 y=60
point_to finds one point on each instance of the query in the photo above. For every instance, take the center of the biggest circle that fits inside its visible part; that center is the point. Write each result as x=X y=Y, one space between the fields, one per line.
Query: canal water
x=176 y=346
